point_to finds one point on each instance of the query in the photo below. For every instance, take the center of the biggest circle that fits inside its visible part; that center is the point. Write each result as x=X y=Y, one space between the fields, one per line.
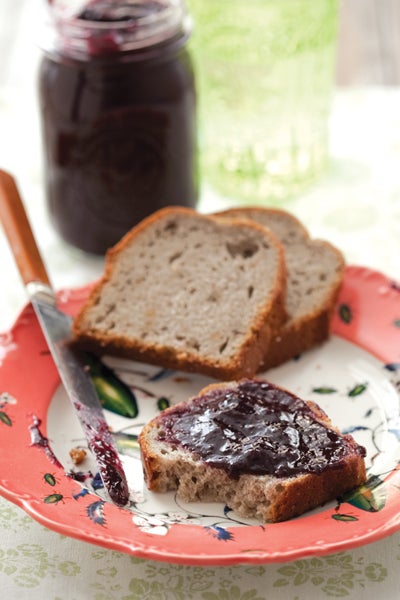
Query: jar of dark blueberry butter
x=117 y=101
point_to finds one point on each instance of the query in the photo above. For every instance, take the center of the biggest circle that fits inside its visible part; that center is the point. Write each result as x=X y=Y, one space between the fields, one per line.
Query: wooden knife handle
x=19 y=233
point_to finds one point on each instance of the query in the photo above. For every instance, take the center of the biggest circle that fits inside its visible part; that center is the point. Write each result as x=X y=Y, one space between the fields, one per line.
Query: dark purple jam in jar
x=117 y=100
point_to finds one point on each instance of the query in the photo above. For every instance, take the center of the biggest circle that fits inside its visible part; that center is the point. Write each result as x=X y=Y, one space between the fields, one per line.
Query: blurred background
x=368 y=53
x=368 y=57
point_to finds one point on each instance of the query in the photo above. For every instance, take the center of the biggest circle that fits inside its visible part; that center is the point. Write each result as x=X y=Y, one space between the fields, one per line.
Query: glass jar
x=117 y=101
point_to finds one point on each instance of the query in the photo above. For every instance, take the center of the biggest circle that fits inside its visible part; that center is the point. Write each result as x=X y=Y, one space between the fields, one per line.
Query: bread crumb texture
x=188 y=285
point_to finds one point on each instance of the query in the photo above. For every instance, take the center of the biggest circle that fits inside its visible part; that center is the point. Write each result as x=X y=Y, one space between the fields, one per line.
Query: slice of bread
x=188 y=291
x=253 y=446
x=315 y=271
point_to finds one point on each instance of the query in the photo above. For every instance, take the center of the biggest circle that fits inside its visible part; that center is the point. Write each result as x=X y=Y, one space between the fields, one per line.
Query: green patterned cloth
x=36 y=563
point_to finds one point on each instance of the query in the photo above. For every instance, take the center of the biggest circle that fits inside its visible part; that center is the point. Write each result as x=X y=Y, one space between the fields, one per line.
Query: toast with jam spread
x=253 y=446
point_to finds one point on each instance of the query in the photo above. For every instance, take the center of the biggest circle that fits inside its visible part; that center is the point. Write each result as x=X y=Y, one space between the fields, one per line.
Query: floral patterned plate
x=354 y=377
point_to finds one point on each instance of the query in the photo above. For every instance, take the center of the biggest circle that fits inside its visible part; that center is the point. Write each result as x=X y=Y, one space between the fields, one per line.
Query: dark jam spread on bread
x=256 y=428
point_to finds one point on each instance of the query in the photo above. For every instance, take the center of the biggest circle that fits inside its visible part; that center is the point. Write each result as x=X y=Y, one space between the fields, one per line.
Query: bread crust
x=297 y=334
x=253 y=347
x=264 y=497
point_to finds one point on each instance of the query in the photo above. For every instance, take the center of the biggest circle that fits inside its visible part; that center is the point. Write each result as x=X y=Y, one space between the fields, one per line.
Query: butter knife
x=56 y=327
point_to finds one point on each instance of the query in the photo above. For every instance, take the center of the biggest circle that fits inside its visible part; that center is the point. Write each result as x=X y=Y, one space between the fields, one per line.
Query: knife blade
x=56 y=327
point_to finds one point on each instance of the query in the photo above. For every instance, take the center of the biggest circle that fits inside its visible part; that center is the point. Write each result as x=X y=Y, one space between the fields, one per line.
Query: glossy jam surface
x=255 y=428
x=119 y=137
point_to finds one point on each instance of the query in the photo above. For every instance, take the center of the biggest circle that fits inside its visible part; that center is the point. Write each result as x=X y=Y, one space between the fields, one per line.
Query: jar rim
x=146 y=23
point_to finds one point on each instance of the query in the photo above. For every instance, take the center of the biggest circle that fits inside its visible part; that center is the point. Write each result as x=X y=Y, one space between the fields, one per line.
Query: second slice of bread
x=315 y=270
x=191 y=292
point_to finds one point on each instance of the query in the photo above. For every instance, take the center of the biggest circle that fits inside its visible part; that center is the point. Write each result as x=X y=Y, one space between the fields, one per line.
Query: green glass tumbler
x=265 y=72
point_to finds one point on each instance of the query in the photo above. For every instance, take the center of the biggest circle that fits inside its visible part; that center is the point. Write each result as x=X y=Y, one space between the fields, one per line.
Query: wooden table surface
x=369 y=43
